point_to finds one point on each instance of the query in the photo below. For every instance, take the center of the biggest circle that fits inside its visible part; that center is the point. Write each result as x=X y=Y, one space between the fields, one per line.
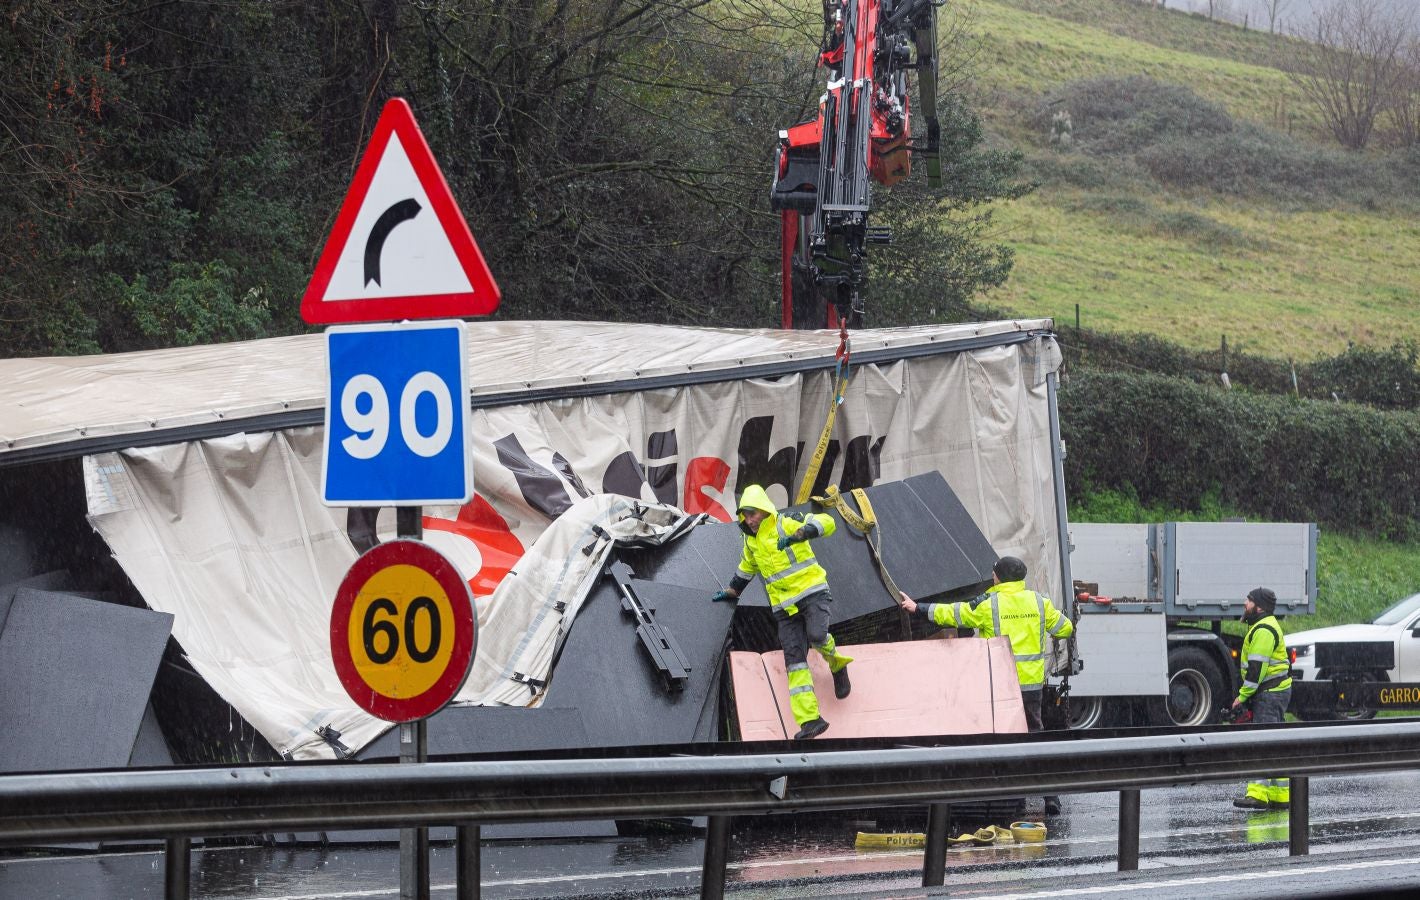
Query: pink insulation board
x=931 y=687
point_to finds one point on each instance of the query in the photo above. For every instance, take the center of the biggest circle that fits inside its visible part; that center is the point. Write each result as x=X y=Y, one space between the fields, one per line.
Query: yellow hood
x=755 y=497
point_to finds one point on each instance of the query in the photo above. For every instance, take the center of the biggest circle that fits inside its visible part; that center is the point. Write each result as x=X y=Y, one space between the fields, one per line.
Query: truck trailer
x=181 y=487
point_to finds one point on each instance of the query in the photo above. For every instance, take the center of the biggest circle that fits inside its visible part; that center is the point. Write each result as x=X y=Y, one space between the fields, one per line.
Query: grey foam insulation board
x=77 y=676
x=604 y=672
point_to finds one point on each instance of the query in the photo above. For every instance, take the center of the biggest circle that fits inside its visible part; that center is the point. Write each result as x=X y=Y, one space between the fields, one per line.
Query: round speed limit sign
x=402 y=631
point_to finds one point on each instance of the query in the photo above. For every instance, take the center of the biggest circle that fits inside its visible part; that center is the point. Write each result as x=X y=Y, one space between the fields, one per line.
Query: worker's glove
x=723 y=595
x=788 y=539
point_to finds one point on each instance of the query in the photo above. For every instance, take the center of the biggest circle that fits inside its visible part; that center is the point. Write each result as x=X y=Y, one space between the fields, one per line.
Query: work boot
x=1052 y=806
x=812 y=729
x=841 y=685
x=1278 y=804
x=1250 y=803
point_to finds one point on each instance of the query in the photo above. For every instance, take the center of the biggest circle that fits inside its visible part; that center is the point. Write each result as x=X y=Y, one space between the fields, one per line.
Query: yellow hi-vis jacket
x=789 y=574
x=1264 y=659
x=1022 y=615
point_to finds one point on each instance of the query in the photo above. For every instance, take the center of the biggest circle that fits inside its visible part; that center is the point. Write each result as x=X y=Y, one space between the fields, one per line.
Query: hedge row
x=1384 y=378
x=1347 y=467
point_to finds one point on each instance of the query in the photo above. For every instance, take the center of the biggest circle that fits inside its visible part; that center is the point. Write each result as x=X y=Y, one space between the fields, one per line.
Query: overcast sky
x=1295 y=13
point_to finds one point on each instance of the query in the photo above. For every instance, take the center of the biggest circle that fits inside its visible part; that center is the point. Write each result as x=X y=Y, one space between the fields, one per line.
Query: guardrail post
x=1129 y=830
x=1299 y=818
x=470 y=862
x=177 y=869
x=717 y=848
x=934 y=854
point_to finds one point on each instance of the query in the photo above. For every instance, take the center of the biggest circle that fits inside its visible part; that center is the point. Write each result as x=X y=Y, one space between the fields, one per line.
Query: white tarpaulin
x=229 y=534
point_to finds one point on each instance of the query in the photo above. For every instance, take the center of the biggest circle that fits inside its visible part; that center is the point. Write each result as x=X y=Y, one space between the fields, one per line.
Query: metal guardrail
x=178 y=804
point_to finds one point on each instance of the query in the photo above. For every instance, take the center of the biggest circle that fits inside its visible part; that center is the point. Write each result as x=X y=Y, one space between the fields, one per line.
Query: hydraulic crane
x=825 y=166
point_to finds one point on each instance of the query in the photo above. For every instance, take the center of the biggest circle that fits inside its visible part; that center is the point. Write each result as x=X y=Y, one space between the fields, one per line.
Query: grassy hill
x=1255 y=227
x=1200 y=196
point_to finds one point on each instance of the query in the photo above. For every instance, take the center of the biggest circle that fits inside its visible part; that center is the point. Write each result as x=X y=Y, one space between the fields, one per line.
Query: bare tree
x=1350 y=64
x=1404 y=111
x=1273 y=10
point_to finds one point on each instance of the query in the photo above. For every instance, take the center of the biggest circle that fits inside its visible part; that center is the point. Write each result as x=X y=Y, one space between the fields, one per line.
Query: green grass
x=1281 y=273
x=1357 y=578
x=1300 y=284
x=1029 y=52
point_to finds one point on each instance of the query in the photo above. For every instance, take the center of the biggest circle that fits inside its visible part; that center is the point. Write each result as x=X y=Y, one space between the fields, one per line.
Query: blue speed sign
x=396 y=415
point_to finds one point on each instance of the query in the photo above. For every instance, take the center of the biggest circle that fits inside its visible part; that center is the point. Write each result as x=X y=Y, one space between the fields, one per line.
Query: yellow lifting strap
x=865 y=523
x=840 y=386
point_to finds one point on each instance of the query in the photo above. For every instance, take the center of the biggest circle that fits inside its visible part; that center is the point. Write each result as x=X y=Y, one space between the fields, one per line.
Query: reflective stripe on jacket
x=792 y=573
x=1264 y=659
x=1020 y=614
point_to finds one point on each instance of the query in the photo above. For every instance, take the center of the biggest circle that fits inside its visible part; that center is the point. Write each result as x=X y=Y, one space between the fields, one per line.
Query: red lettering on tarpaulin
x=701 y=473
x=498 y=548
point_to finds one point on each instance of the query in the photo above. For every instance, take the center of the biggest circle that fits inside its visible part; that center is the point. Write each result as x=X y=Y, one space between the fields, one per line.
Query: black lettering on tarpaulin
x=624 y=476
x=660 y=446
x=564 y=468
x=825 y=471
x=757 y=466
x=542 y=490
x=862 y=463
x=360 y=527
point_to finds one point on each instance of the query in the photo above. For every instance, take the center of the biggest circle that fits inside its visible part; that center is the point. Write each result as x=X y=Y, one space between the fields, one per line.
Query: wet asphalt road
x=1365 y=832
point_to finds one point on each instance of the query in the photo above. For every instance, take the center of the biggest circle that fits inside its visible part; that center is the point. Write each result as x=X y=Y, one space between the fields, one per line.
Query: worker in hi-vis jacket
x=776 y=548
x=1266 y=688
x=1009 y=608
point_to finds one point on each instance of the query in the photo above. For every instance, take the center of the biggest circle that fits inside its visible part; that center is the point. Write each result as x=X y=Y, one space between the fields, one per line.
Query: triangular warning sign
x=400 y=248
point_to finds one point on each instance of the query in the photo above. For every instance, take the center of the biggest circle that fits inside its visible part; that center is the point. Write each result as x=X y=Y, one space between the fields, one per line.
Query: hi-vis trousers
x=1269 y=707
x=808 y=627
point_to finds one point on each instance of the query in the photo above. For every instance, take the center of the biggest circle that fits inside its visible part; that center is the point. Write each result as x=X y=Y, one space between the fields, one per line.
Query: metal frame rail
x=178 y=804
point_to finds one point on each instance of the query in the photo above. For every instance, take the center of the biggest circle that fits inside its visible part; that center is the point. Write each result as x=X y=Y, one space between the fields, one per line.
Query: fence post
x=934 y=855
x=1129 y=830
x=1299 y=818
x=177 y=869
x=469 y=864
x=712 y=870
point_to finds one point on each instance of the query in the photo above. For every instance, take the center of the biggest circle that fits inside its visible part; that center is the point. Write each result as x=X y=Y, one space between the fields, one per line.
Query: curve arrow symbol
x=402 y=211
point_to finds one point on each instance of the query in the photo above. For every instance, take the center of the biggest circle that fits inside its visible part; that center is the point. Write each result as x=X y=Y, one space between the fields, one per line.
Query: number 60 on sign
x=402 y=631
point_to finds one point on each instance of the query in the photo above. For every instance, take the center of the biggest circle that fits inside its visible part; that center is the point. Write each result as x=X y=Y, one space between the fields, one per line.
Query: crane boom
x=826 y=166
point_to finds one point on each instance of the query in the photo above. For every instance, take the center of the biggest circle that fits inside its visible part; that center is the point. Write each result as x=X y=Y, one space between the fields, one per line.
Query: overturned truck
x=167 y=567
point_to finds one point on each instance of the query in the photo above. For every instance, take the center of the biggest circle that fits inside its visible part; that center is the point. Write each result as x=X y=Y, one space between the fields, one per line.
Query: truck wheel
x=1196 y=689
x=1086 y=713
x=1360 y=713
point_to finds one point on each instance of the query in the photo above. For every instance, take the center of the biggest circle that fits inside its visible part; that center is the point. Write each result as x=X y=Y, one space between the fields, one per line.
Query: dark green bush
x=1386 y=379
x=1348 y=467
x=1383 y=378
x=1122 y=115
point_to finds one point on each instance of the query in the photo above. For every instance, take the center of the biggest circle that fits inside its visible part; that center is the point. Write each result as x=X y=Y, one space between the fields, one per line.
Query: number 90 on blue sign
x=396 y=422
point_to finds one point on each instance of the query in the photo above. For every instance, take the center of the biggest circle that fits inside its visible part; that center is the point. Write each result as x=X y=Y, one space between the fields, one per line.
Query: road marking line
x=1134 y=886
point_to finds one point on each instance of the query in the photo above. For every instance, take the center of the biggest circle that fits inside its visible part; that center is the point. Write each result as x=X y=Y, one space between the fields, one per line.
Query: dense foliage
x=168 y=172
x=1173 y=442
x=1384 y=378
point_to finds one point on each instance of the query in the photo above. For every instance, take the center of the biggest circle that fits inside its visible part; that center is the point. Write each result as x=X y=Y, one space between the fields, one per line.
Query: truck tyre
x=1086 y=713
x=1350 y=714
x=1197 y=689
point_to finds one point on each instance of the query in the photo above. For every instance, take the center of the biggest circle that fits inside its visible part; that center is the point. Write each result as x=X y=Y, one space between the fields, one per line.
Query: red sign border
x=422 y=556
x=398 y=118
